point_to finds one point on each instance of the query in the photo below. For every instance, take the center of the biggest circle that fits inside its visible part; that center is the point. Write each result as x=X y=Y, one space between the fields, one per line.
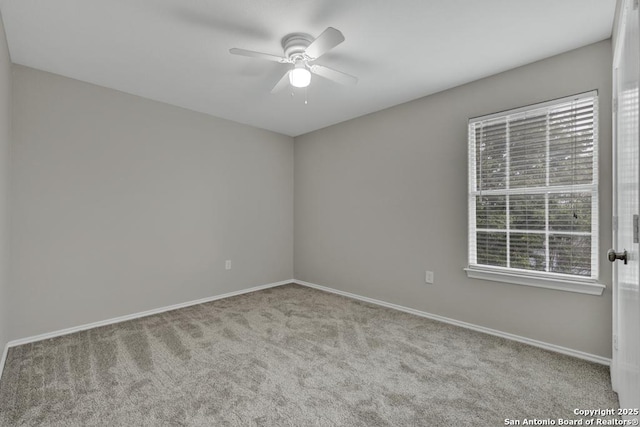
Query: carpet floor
x=291 y=356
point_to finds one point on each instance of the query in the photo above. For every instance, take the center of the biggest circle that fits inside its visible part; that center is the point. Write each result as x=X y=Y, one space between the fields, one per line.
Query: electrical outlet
x=428 y=277
x=227 y=264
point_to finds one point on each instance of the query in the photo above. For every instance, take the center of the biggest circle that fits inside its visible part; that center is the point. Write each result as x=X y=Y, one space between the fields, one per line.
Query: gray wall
x=121 y=204
x=382 y=198
x=5 y=135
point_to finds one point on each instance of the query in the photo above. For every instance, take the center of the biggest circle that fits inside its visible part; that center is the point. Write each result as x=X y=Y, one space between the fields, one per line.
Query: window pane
x=527 y=149
x=570 y=255
x=527 y=251
x=491 y=212
x=568 y=165
x=571 y=146
x=491 y=248
x=491 y=156
x=526 y=212
x=570 y=212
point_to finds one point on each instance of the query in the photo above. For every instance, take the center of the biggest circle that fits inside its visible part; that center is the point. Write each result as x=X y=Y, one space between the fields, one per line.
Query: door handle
x=613 y=255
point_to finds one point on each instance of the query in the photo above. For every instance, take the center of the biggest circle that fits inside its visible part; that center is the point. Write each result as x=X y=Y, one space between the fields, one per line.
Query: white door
x=625 y=369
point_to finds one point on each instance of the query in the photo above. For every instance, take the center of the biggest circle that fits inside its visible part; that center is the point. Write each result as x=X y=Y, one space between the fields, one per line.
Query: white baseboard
x=547 y=346
x=124 y=318
x=535 y=343
x=4 y=358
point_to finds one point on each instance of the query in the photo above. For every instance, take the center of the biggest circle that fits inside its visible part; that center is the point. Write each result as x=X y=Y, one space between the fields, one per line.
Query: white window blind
x=533 y=189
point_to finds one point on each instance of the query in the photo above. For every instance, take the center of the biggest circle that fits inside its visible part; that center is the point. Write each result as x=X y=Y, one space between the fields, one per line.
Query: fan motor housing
x=294 y=44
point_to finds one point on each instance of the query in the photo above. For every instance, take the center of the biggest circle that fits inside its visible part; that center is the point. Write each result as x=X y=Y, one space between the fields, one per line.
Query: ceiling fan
x=300 y=51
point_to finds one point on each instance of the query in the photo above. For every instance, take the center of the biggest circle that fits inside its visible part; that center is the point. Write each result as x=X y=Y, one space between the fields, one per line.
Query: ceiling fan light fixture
x=299 y=50
x=300 y=76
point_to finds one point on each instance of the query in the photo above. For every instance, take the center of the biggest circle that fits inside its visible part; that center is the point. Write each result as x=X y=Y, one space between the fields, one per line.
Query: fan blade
x=252 y=54
x=282 y=83
x=326 y=41
x=334 y=75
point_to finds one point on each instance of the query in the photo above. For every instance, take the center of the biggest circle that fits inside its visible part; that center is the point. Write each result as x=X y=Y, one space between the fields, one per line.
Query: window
x=533 y=195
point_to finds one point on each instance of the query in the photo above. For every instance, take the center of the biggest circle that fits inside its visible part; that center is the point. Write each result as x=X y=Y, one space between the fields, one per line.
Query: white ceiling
x=177 y=51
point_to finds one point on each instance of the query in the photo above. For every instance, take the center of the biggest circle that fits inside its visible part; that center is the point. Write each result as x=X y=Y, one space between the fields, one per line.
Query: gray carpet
x=291 y=356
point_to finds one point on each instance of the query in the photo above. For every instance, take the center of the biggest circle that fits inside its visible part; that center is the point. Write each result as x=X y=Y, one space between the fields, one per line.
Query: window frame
x=542 y=279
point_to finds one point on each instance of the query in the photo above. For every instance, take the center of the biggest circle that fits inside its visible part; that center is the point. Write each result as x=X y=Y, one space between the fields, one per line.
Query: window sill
x=590 y=287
